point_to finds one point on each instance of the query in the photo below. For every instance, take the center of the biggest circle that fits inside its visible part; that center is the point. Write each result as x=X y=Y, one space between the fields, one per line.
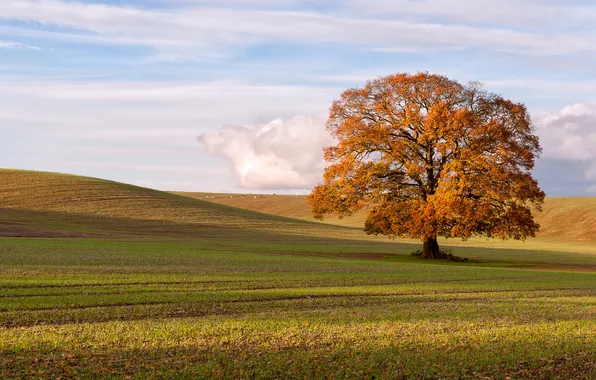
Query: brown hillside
x=59 y=205
x=568 y=219
x=291 y=206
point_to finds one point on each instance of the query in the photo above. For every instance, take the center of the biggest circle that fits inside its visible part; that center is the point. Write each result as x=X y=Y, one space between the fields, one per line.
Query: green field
x=111 y=280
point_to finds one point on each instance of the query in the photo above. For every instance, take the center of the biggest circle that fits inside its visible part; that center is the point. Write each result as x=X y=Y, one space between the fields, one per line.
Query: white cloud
x=139 y=125
x=208 y=30
x=85 y=114
x=544 y=85
x=268 y=156
x=526 y=14
x=276 y=155
x=570 y=135
x=114 y=109
x=16 y=45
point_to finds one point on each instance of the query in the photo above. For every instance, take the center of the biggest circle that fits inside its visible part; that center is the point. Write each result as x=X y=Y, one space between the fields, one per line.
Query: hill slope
x=49 y=204
x=565 y=219
x=291 y=206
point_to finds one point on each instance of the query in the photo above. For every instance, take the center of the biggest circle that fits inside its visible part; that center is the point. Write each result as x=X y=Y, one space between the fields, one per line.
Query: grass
x=154 y=285
x=146 y=308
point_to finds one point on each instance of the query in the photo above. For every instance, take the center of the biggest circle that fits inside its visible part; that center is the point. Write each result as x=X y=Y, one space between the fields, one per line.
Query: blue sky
x=122 y=89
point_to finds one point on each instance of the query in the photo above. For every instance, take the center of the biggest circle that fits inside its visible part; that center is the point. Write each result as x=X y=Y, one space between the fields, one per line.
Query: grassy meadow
x=100 y=279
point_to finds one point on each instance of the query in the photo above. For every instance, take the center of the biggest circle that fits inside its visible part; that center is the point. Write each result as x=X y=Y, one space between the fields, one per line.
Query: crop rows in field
x=224 y=313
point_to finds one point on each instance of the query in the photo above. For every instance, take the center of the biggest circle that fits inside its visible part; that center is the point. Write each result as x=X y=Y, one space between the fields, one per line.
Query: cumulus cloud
x=570 y=135
x=281 y=154
x=286 y=154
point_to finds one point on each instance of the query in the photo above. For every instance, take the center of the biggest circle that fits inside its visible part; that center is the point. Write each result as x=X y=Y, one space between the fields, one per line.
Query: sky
x=232 y=95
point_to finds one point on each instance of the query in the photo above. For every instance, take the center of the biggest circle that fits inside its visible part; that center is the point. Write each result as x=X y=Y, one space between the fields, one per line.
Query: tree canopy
x=428 y=157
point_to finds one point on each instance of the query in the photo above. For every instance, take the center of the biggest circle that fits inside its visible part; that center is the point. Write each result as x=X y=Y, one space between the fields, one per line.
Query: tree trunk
x=430 y=249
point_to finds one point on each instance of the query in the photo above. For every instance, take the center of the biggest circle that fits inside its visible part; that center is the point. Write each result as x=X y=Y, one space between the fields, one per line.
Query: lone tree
x=429 y=157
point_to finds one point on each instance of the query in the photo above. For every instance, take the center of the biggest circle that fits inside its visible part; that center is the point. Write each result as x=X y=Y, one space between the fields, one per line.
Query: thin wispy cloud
x=208 y=29
x=16 y=45
x=527 y=15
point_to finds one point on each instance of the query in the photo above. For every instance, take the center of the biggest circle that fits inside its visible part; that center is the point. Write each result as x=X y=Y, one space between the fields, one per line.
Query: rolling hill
x=40 y=204
x=565 y=219
x=59 y=205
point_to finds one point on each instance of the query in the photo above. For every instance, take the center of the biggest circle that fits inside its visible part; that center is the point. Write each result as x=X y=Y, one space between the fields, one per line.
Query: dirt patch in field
x=351 y=255
x=8 y=230
x=566 y=268
x=358 y=255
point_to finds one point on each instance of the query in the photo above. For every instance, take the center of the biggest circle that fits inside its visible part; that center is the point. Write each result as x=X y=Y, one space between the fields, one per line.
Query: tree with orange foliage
x=430 y=157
